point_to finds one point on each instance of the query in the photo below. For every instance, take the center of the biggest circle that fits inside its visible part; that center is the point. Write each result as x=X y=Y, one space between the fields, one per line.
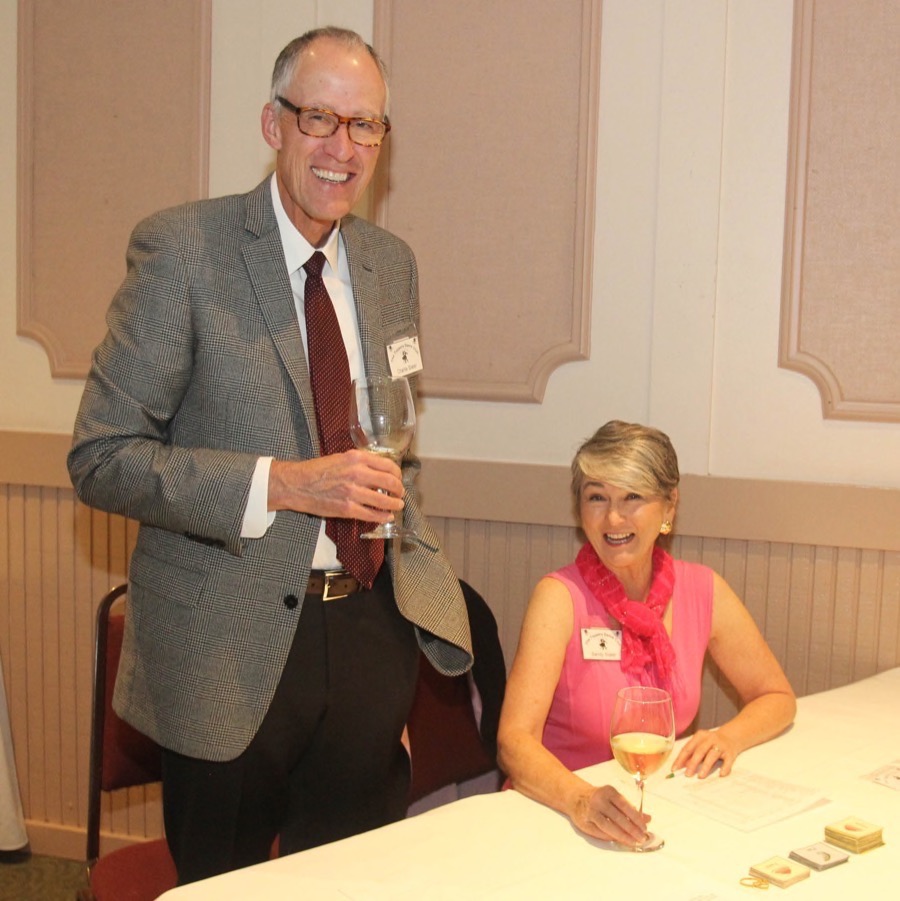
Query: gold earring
x=665 y=528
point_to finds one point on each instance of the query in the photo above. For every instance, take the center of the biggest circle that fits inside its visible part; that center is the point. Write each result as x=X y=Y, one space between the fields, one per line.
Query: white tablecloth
x=508 y=847
x=12 y=823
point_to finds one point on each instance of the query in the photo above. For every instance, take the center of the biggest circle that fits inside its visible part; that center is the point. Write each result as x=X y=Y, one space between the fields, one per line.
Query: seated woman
x=562 y=688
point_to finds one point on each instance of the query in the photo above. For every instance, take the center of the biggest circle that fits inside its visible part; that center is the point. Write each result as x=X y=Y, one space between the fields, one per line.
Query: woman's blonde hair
x=631 y=456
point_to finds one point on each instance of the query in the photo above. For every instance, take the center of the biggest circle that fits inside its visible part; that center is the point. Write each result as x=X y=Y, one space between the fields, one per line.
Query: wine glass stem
x=641 y=787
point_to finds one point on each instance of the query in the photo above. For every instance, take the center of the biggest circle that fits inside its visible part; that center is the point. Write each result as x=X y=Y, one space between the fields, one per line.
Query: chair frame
x=436 y=692
x=98 y=723
x=139 y=772
x=449 y=743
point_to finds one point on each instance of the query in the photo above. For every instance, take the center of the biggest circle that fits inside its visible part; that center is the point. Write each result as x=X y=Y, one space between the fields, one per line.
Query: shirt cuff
x=257 y=516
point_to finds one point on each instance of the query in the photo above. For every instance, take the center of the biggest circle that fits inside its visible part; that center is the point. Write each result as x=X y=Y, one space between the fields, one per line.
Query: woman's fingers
x=615 y=818
x=703 y=752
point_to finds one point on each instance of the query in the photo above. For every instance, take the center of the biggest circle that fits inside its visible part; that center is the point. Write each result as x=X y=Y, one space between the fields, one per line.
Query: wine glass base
x=390 y=530
x=653 y=842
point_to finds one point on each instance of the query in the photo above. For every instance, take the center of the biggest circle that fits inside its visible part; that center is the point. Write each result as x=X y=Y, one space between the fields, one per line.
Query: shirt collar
x=297 y=250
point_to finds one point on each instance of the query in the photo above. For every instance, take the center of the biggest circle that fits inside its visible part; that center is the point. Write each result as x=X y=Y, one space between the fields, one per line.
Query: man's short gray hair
x=286 y=64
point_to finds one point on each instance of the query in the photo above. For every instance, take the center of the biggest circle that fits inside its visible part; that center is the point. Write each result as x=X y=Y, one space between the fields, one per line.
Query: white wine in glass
x=383 y=421
x=642 y=733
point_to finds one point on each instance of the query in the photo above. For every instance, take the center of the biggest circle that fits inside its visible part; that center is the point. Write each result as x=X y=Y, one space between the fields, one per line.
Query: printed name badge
x=601 y=644
x=404 y=357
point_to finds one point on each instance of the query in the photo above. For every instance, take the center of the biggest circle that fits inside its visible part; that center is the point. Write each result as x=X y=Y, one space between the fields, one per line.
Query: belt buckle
x=329 y=576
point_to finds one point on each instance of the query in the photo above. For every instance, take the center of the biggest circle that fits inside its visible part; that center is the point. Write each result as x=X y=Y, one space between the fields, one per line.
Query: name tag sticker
x=601 y=644
x=404 y=356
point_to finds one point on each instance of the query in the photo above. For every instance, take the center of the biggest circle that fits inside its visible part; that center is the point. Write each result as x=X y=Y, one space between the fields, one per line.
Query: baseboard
x=68 y=842
x=56 y=840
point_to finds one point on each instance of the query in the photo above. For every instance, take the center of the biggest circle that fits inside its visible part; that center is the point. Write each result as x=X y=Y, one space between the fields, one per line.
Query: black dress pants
x=327 y=761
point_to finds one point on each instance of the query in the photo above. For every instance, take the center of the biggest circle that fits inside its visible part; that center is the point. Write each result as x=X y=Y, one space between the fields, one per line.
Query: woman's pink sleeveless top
x=577 y=727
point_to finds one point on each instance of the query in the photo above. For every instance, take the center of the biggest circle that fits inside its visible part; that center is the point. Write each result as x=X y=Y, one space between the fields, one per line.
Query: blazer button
x=290 y=601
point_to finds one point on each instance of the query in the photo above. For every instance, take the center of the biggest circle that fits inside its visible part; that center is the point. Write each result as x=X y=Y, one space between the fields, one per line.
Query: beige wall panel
x=57 y=559
x=821 y=610
x=889 y=612
x=866 y=624
x=844 y=614
x=53 y=676
x=491 y=168
x=113 y=124
x=70 y=734
x=14 y=652
x=755 y=589
x=871 y=565
x=798 y=578
x=87 y=589
x=774 y=562
x=841 y=303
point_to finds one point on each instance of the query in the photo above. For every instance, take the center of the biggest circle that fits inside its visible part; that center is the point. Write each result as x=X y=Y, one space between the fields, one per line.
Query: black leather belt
x=332 y=584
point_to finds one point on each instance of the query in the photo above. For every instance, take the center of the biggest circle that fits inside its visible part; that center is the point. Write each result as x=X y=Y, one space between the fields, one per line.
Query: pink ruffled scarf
x=647 y=651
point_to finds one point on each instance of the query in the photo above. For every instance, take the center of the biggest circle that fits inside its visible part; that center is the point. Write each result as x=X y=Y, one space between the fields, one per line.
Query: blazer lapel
x=268 y=275
x=364 y=279
x=264 y=259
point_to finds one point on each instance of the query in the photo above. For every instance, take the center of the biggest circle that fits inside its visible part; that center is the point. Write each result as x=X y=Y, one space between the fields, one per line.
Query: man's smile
x=330 y=175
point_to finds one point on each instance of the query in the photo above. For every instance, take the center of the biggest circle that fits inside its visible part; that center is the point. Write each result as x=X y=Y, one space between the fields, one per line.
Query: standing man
x=269 y=650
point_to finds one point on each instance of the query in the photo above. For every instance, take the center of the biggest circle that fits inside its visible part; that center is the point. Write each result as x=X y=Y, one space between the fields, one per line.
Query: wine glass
x=642 y=733
x=383 y=421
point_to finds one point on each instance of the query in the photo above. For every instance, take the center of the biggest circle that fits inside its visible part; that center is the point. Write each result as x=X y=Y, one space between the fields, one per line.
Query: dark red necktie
x=330 y=376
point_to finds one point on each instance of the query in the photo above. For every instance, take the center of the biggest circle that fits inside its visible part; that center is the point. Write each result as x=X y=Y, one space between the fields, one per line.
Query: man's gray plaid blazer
x=201 y=372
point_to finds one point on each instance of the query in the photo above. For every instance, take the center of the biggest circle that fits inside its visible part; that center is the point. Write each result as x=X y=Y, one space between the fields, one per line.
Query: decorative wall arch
x=840 y=317
x=490 y=177
x=106 y=136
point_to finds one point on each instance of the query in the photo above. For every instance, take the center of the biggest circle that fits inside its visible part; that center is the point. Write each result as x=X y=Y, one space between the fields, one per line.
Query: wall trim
x=849 y=516
x=34 y=458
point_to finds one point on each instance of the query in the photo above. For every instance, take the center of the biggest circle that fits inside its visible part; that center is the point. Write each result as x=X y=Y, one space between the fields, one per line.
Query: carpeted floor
x=41 y=879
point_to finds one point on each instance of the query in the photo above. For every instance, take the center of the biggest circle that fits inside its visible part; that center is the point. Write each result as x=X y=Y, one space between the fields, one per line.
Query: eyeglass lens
x=322 y=124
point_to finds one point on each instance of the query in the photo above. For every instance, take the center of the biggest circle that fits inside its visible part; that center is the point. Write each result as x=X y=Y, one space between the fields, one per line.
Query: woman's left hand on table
x=703 y=751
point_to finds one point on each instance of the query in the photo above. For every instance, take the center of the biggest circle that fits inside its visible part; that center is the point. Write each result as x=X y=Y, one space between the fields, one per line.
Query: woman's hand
x=767 y=702
x=703 y=751
x=604 y=813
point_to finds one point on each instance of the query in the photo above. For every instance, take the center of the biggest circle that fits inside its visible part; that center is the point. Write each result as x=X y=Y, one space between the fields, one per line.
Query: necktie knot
x=314 y=265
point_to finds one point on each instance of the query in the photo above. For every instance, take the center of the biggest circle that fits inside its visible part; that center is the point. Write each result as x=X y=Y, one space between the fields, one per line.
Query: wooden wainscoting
x=831 y=615
x=57 y=560
x=830 y=610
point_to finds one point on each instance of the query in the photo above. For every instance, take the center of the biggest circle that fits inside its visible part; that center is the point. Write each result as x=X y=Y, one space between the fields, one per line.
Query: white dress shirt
x=336 y=275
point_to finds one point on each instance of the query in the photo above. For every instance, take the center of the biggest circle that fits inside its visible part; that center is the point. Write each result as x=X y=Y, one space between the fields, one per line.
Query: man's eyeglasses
x=323 y=123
